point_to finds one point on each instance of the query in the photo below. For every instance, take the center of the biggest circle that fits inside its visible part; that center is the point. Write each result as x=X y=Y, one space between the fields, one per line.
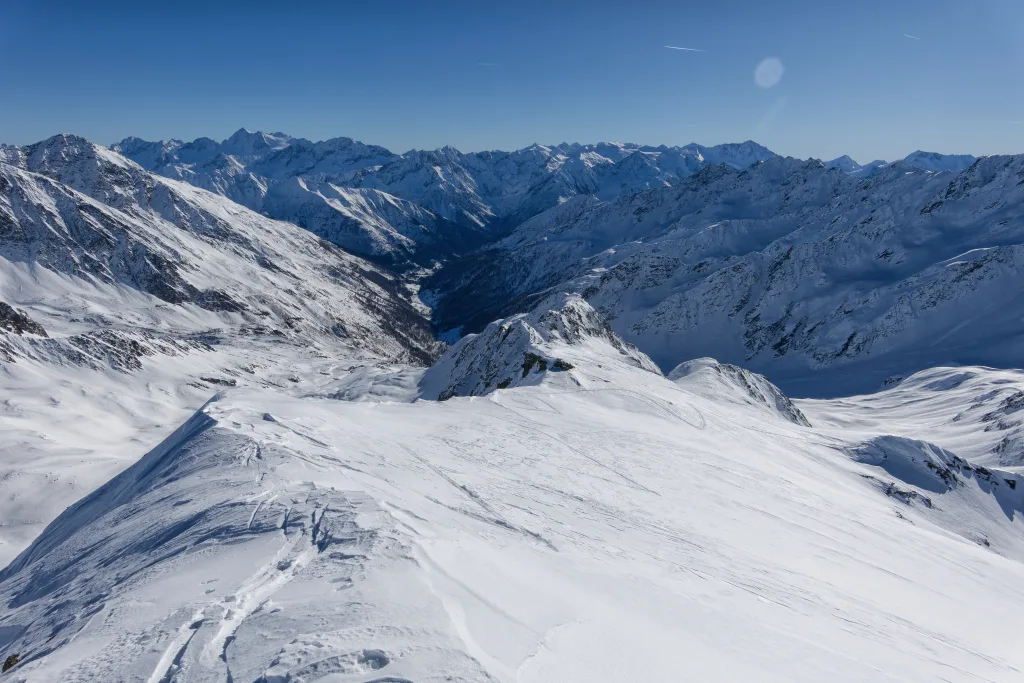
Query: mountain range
x=280 y=411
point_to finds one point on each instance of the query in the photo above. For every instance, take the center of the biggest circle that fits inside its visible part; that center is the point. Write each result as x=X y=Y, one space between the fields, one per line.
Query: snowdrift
x=531 y=534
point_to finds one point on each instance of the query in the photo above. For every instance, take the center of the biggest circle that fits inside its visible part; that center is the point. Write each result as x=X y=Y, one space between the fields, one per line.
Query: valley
x=276 y=410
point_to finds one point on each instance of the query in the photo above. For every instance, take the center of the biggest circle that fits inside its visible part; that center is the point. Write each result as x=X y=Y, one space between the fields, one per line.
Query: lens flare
x=769 y=72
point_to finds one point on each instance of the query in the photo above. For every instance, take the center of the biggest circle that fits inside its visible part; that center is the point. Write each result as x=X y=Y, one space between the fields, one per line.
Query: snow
x=626 y=528
x=452 y=198
x=933 y=161
x=152 y=294
x=224 y=457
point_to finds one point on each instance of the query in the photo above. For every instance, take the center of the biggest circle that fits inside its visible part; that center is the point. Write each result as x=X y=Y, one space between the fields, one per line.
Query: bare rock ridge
x=17 y=322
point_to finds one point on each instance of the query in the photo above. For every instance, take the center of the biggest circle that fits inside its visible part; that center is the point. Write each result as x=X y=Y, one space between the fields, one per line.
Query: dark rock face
x=16 y=322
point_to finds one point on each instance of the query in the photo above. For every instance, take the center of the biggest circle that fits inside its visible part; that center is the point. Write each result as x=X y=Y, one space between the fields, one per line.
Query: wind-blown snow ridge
x=708 y=377
x=532 y=534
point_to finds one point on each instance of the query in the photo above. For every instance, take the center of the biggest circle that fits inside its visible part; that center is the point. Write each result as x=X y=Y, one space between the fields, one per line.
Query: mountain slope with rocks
x=234 y=450
x=825 y=282
x=127 y=299
x=461 y=200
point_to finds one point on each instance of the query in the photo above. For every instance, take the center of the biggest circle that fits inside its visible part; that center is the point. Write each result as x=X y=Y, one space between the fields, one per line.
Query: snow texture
x=229 y=455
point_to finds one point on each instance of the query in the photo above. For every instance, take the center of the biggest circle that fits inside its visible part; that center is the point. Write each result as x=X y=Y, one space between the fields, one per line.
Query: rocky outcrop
x=564 y=334
x=17 y=322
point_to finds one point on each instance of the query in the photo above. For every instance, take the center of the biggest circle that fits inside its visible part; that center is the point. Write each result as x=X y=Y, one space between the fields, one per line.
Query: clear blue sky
x=484 y=75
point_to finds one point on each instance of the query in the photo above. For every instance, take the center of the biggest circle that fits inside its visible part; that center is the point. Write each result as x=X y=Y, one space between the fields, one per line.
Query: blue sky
x=485 y=75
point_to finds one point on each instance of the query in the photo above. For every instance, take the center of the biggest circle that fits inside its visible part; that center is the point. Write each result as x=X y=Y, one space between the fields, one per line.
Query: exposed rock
x=526 y=348
x=17 y=322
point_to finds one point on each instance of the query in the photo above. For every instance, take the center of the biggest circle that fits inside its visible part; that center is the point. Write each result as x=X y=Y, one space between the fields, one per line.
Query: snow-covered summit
x=563 y=334
x=933 y=161
x=725 y=382
x=739 y=155
x=847 y=165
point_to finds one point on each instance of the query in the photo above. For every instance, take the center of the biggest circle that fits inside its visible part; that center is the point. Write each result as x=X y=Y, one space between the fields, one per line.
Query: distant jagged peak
x=247 y=143
x=844 y=163
x=561 y=340
x=722 y=381
x=66 y=148
x=933 y=161
x=848 y=165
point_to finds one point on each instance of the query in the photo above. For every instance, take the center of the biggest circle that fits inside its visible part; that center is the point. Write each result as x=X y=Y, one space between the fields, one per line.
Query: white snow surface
x=621 y=527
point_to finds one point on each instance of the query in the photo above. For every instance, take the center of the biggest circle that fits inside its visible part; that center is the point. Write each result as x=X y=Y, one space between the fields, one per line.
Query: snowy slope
x=81 y=210
x=127 y=300
x=826 y=283
x=628 y=528
x=368 y=222
x=976 y=412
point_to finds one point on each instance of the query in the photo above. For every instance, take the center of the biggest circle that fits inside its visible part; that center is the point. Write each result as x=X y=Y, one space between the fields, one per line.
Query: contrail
x=911 y=37
x=688 y=49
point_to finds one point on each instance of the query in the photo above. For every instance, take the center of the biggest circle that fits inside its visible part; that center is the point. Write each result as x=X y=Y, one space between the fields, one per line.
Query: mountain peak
x=247 y=143
x=934 y=161
x=562 y=333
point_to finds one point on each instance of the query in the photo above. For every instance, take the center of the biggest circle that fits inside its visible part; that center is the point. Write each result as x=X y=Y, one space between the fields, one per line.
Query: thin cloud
x=911 y=37
x=687 y=49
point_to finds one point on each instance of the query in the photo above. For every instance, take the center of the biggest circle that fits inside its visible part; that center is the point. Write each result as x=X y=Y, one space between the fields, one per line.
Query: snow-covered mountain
x=933 y=161
x=127 y=298
x=560 y=333
x=847 y=165
x=824 y=282
x=277 y=482
x=460 y=199
x=926 y=161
